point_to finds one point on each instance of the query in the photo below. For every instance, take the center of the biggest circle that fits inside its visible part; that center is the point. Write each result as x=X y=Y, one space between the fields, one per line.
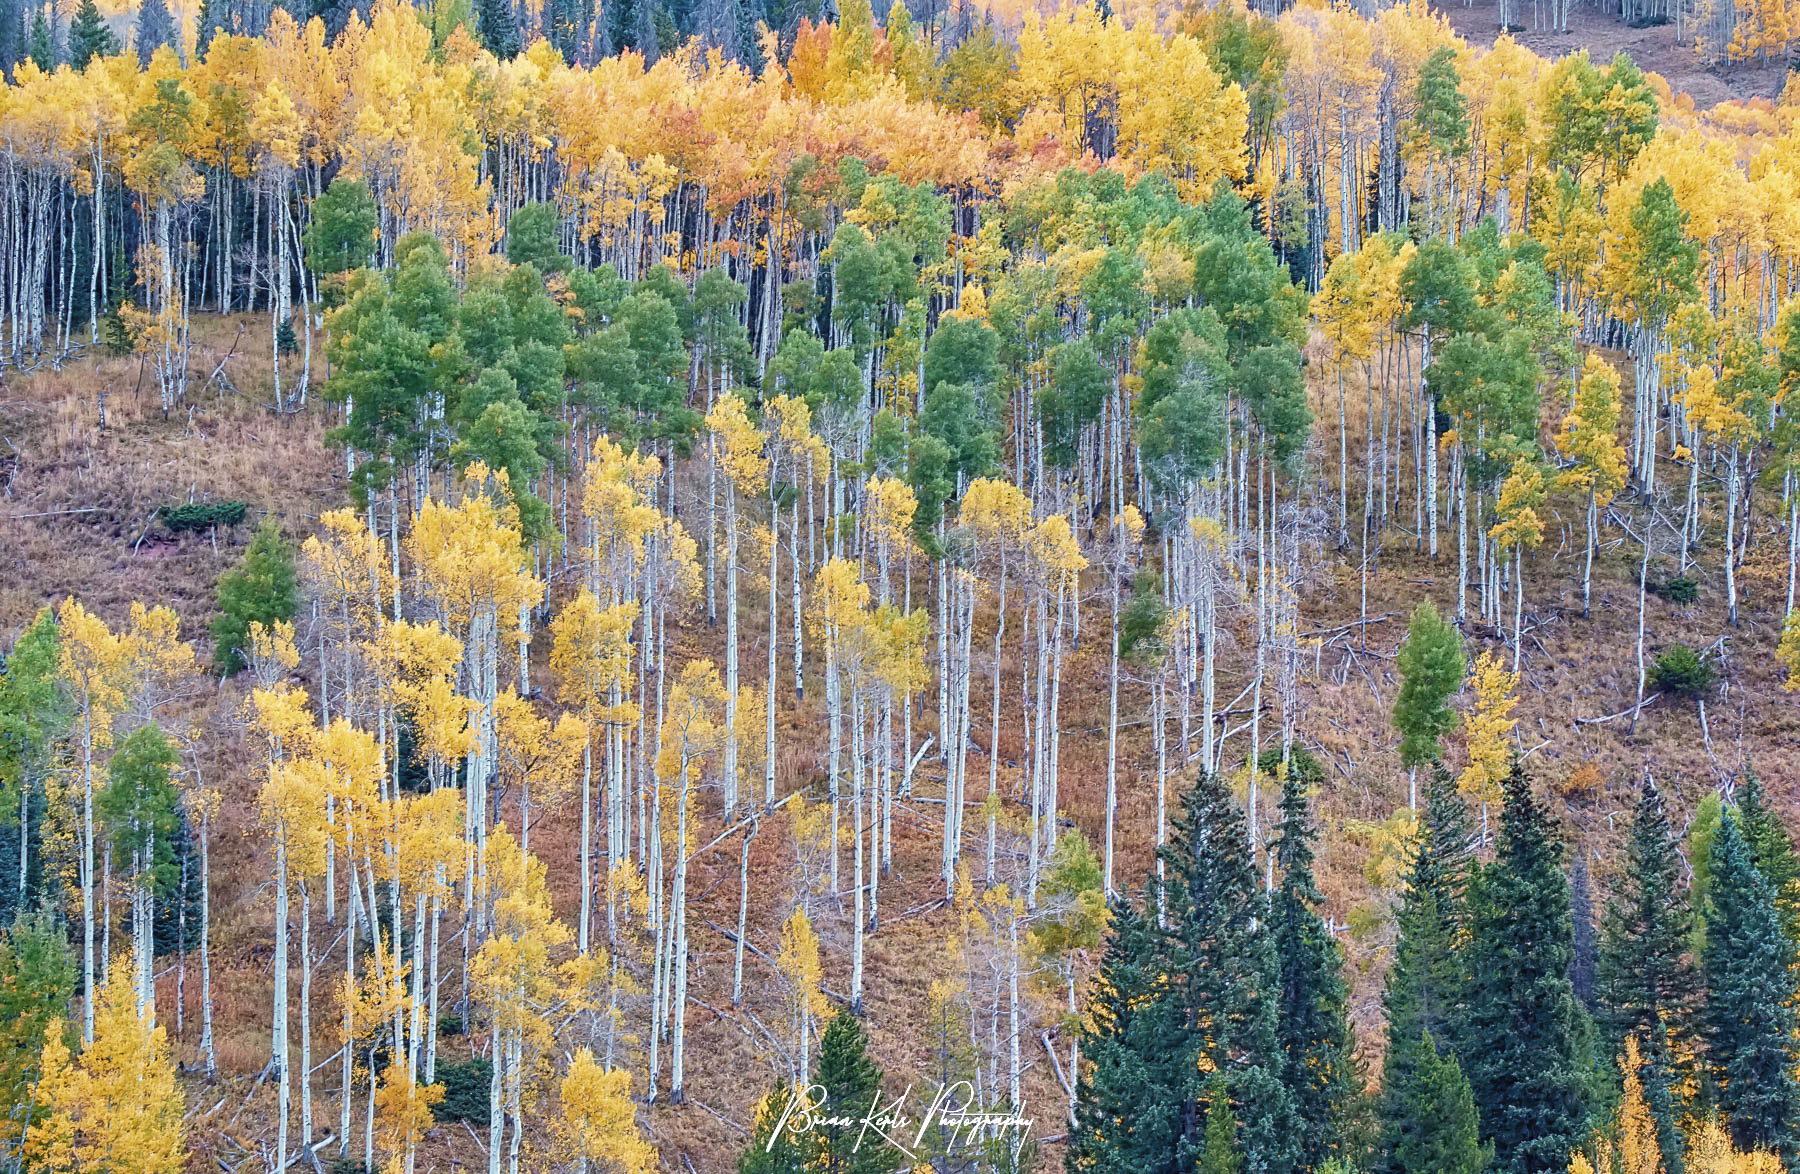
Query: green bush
x=1301 y=765
x=201 y=515
x=1682 y=590
x=465 y=1092
x=1682 y=672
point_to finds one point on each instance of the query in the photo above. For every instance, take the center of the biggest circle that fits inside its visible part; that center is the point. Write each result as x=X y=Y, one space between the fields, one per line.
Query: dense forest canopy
x=1036 y=550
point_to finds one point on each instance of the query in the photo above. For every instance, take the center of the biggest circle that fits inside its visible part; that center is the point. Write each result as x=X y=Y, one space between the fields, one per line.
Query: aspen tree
x=998 y=515
x=515 y=981
x=473 y=561
x=93 y=667
x=797 y=960
x=1589 y=437
x=598 y=1130
x=1488 y=724
x=590 y=658
x=737 y=448
x=117 y=1104
x=692 y=739
x=1519 y=529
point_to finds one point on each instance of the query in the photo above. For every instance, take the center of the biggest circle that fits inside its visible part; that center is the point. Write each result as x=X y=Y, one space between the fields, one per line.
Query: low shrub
x=201 y=515
x=1681 y=672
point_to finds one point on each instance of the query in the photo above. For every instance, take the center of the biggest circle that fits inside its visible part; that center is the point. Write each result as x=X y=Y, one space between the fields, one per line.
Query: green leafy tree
x=264 y=587
x=342 y=232
x=1525 y=1030
x=1647 y=985
x=532 y=239
x=38 y=972
x=1442 y=114
x=1071 y=401
x=138 y=804
x=1748 y=1020
x=1431 y=664
x=34 y=711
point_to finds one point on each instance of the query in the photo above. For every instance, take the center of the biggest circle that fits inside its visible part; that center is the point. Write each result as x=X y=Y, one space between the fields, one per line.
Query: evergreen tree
x=1647 y=985
x=214 y=18
x=1425 y=982
x=853 y=1084
x=264 y=587
x=12 y=34
x=155 y=28
x=1225 y=976
x=1771 y=850
x=1431 y=664
x=1748 y=1018
x=1136 y=1058
x=769 y=1152
x=43 y=40
x=1437 y=1128
x=90 y=36
x=1581 y=917
x=1525 y=1030
x=1218 y=1146
x=1317 y=1066
x=499 y=28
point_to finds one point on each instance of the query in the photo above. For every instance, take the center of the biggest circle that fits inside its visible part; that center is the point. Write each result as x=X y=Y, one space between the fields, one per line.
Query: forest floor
x=76 y=516
x=1602 y=34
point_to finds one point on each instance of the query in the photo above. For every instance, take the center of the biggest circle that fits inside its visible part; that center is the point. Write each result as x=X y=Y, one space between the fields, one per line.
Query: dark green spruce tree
x=853 y=1084
x=1137 y=1061
x=1425 y=983
x=1525 y=1031
x=1220 y=953
x=1647 y=984
x=155 y=28
x=89 y=35
x=1313 y=1035
x=1748 y=1018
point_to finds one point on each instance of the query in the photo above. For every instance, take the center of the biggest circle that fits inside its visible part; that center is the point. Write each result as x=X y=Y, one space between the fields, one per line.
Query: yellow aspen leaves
x=798 y=961
x=737 y=446
x=1489 y=723
x=117 y=1105
x=1589 y=435
x=598 y=1124
x=472 y=554
x=1520 y=527
x=590 y=656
